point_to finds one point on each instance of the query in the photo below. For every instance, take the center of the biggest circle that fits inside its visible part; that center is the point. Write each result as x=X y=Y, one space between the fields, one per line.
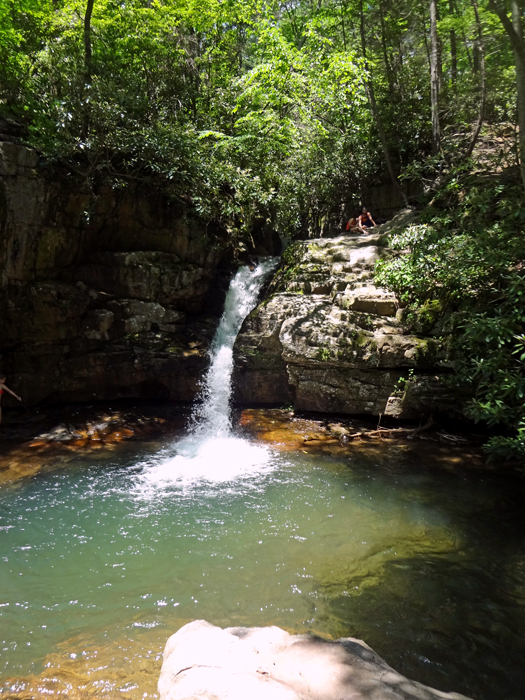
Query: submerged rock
x=204 y=661
x=37 y=442
x=327 y=339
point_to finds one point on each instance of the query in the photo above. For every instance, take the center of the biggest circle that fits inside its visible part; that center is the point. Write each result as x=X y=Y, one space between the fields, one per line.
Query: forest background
x=248 y=111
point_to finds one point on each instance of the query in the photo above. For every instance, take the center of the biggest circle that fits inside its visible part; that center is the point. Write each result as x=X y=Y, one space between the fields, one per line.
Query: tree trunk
x=388 y=67
x=86 y=117
x=439 y=54
x=453 y=58
x=453 y=50
x=434 y=77
x=424 y=32
x=87 y=40
x=343 y=10
x=375 y=112
x=514 y=33
x=520 y=83
x=483 y=82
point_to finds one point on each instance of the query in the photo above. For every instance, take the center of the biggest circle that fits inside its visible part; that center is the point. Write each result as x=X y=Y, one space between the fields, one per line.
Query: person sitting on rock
x=3 y=388
x=365 y=220
x=353 y=223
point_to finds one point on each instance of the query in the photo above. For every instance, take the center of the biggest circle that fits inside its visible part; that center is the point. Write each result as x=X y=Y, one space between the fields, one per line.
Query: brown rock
x=99 y=290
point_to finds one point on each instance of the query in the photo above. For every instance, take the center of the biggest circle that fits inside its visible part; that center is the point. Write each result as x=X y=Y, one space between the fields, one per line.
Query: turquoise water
x=102 y=560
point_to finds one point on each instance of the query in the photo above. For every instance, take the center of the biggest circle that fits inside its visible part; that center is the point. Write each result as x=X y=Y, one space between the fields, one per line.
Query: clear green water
x=102 y=560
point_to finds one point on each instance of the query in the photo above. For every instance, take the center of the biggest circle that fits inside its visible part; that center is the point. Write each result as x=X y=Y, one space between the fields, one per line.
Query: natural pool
x=110 y=547
x=401 y=545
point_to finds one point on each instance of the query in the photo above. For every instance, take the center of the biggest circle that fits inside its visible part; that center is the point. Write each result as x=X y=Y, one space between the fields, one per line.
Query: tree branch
x=515 y=40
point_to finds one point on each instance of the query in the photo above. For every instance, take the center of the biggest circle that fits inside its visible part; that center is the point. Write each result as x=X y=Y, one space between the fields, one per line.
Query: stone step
x=371 y=300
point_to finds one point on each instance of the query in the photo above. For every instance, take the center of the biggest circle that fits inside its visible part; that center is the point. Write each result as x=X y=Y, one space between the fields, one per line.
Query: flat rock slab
x=370 y=300
x=243 y=663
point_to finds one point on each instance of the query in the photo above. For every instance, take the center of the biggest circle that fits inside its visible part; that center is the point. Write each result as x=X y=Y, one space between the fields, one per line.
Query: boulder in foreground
x=237 y=663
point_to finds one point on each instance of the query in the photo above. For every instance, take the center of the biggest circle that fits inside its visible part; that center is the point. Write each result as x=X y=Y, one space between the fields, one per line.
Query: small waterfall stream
x=212 y=415
x=210 y=451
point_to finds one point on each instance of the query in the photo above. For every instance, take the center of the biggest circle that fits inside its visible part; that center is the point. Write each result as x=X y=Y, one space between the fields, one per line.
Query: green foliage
x=246 y=111
x=402 y=383
x=468 y=260
x=422 y=319
x=508 y=447
x=210 y=99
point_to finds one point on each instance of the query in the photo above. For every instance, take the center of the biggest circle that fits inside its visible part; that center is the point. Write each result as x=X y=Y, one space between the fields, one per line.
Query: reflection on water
x=102 y=561
x=106 y=556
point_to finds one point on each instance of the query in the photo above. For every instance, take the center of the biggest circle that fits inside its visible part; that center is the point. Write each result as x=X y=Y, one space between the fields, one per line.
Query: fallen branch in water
x=390 y=432
x=380 y=433
x=448 y=437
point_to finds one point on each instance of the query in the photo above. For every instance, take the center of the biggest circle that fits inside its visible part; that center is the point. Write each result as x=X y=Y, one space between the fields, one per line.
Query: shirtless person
x=365 y=220
x=3 y=388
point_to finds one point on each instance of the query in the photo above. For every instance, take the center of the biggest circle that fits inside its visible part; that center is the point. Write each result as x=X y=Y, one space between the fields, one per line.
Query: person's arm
x=371 y=219
x=6 y=388
x=360 y=224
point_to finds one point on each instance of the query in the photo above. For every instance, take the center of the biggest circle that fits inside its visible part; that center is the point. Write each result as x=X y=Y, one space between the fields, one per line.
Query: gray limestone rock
x=146 y=275
x=328 y=340
x=237 y=663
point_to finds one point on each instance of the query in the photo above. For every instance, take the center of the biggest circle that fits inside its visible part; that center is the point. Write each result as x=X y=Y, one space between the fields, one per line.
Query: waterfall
x=212 y=414
x=210 y=451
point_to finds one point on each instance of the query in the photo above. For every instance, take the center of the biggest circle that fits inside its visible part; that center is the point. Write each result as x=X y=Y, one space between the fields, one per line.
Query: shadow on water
x=104 y=559
x=453 y=619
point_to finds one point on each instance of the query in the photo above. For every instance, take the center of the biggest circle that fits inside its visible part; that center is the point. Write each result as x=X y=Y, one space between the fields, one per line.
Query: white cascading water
x=212 y=415
x=211 y=451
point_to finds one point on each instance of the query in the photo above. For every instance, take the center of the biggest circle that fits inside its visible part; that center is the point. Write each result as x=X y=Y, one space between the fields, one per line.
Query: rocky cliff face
x=327 y=339
x=110 y=292
x=104 y=292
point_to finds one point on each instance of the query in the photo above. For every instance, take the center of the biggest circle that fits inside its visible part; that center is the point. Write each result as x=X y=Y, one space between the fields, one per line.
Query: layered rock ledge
x=204 y=661
x=327 y=339
x=107 y=290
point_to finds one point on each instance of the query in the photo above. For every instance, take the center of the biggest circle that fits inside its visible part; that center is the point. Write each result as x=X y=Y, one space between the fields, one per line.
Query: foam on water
x=216 y=460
